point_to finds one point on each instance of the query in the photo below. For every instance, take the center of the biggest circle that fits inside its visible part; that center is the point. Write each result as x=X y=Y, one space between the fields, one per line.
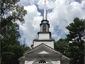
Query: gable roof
x=43 y=47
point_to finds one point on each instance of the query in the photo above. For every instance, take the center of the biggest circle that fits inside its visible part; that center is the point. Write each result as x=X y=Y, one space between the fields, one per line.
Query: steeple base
x=49 y=43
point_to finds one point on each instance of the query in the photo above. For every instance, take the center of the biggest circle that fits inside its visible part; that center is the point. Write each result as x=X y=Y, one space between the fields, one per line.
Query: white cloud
x=27 y=30
x=63 y=13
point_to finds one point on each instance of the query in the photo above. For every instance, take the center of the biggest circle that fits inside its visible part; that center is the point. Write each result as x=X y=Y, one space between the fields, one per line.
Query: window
x=44 y=28
x=42 y=61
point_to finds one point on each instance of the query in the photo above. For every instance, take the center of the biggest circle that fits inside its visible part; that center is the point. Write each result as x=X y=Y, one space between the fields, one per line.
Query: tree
x=76 y=33
x=73 y=45
x=76 y=30
x=62 y=46
x=11 y=49
x=10 y=11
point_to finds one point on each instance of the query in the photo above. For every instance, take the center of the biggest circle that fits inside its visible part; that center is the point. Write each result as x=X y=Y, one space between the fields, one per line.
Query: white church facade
x=42 y=51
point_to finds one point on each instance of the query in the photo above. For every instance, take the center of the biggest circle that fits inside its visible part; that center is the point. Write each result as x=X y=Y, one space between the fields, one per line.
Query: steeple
x=44 y=35
x=44 y=26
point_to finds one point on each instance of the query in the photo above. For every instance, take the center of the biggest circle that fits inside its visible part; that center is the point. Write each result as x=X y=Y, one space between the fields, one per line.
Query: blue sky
x=61 y=13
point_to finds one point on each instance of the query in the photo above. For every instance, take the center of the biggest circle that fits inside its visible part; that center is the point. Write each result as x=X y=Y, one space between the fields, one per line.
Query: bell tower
x=44 y=26
x=44 y=35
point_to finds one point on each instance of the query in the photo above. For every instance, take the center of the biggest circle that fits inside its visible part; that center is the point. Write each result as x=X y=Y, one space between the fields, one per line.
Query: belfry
x=42 y=51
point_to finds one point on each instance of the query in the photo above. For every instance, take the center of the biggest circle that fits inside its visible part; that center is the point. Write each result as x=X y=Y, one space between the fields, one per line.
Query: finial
x=45 y=10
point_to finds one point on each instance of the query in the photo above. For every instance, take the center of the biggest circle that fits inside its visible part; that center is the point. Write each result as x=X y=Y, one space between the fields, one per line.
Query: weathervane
x=45 y=10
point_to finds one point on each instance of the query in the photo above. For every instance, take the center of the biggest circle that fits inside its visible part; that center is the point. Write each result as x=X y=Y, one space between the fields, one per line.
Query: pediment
x=42 y=49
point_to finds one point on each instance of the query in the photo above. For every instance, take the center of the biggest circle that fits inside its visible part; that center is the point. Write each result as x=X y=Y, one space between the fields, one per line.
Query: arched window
x=44 y=28
x=42 y=61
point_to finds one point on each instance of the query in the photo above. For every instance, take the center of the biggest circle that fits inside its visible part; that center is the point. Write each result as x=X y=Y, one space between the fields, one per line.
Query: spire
x=44 y=26
x=45 y=10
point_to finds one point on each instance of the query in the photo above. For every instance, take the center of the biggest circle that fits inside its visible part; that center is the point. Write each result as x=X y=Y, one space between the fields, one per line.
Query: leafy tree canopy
x=11 y=49
x=73 y=45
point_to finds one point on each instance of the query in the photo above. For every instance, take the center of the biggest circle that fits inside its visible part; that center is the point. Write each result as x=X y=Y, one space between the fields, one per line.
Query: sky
x=60 y=14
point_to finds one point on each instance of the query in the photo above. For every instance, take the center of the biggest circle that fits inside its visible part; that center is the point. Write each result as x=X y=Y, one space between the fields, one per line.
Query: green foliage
x=11 y=8
x=62 y=46
x=76 y=28
x=75 y=50
x=77 y=31
x=11 y=49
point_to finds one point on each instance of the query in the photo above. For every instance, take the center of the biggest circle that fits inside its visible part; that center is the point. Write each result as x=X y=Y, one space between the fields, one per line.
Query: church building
x=42 y=51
